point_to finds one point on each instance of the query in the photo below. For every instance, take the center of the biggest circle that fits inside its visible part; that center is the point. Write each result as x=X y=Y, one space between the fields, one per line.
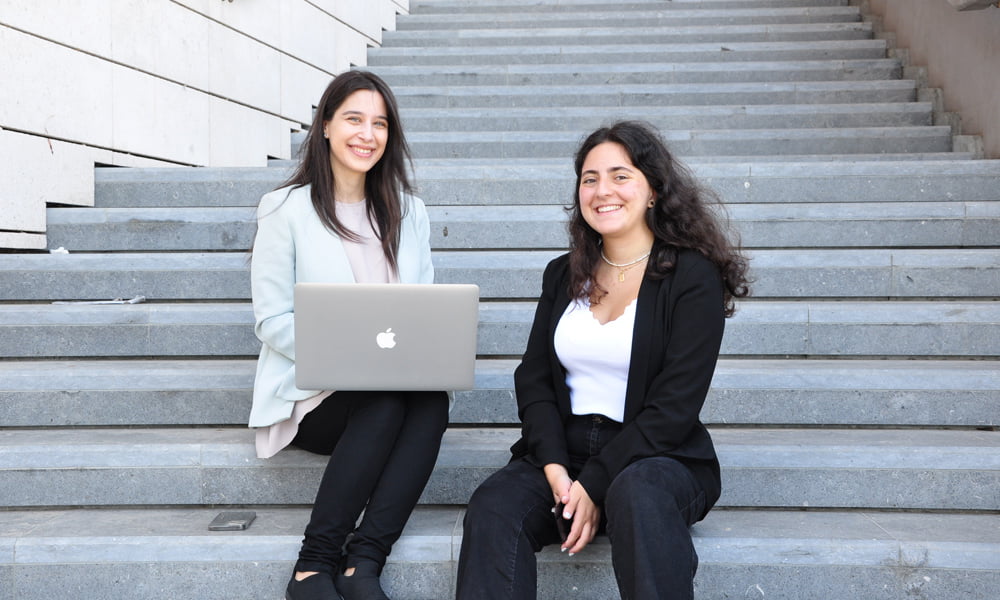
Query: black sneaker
x=315 y=587
x=362 y=585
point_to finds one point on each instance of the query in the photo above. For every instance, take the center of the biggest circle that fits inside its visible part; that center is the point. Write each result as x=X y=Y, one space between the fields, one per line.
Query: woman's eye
x=588 y=181
x=381 y=125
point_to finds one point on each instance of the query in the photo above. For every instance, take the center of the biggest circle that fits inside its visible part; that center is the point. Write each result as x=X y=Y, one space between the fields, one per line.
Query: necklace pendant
x=621 y=275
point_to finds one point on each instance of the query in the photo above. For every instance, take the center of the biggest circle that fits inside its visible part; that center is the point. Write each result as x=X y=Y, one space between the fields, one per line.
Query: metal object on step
x=232 y=520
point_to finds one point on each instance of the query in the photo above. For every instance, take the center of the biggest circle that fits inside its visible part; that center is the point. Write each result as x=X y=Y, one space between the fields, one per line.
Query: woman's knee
x=633 y=484
x=505 y=499
x=486 y=503
x=651 y=483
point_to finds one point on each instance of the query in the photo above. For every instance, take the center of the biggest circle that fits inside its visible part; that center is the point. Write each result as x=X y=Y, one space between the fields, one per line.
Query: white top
x=596 y=358
x=367 y=259
x=369 y=265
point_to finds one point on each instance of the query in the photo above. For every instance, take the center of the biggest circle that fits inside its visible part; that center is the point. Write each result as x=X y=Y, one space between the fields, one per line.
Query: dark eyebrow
x=611 y=170
x=358 y=112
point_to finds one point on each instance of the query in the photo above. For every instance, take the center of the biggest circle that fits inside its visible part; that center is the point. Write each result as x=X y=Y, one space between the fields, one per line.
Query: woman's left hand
x=586 y=517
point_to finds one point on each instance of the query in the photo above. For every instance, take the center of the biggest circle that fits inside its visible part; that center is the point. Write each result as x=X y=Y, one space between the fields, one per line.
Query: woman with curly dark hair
x=618 y=363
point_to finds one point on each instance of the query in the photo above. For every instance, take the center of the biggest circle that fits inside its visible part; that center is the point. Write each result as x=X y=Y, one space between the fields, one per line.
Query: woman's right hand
x=559 y=481
x=584 y=514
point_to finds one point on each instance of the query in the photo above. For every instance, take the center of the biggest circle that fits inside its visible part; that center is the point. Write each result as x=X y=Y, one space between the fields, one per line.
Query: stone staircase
x=854 y=409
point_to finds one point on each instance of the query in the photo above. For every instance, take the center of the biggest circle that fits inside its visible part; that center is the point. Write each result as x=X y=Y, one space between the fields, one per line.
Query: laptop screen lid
x=355 y=336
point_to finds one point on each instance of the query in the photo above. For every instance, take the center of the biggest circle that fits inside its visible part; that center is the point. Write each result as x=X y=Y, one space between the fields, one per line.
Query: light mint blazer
x=293 y=245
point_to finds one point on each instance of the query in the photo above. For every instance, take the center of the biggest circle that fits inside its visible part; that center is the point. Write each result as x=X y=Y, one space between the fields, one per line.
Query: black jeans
x=647 y=512
x=382 y=447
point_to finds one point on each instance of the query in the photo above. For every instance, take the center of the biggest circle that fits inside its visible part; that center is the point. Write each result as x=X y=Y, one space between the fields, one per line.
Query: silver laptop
x=354 y=336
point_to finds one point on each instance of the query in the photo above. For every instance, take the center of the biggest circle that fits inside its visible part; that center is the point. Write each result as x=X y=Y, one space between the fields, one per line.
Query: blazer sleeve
x=422 y=233
x=668 y=420
x=272 y=275
x=542 y=430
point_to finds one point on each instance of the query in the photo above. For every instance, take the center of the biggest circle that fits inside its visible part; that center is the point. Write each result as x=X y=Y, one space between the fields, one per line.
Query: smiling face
x=614 y=194
x=357 y=133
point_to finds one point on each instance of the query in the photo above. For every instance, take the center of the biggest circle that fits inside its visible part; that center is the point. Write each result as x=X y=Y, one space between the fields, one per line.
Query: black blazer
x=676 y=338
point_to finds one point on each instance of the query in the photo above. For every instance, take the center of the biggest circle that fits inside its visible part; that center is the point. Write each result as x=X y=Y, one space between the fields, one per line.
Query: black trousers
x=647 y=512
x=382 y=447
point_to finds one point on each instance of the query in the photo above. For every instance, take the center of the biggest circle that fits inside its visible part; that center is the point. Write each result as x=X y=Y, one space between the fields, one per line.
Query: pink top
x=369 y=265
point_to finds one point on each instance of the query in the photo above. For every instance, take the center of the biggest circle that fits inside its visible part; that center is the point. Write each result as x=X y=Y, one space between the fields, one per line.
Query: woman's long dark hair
x=680 y=217
x=384 y=183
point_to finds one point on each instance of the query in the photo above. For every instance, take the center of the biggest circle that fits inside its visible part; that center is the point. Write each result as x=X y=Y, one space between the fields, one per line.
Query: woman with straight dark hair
x=618 y=363
x=346 y=215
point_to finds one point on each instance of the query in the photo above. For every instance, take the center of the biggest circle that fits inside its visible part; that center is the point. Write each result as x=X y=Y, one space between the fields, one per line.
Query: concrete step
x=600 y=34
x=760 y=329
x=543 y=144
x=868 y=273
x=698 y=162
x=671 y=118
x=512 y=273
x=427 y=7
x=641 y=73
x=83 y=393
x=550 y=181
x=539 y=181
x=494 y=226
x=816 y=468
x=882 y=393
x=734 y=52
x=887 y=157
x=154 y=276
x=871 y=225
x=888 y=555
x=225 y=228
x=177 y=187
x=636 y=97
x=643 y=17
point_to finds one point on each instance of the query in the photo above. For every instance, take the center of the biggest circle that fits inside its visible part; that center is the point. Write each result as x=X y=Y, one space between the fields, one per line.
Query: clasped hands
x=578 y=506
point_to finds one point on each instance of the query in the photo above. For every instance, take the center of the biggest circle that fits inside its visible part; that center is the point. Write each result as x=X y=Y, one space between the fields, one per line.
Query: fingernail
x=572 y=554
x=567 y=515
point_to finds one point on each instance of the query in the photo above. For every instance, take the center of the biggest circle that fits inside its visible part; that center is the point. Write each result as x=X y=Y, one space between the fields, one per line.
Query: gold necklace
x=625 y=266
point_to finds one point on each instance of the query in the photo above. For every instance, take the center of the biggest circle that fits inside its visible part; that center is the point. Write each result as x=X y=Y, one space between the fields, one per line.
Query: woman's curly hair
x=680 y=218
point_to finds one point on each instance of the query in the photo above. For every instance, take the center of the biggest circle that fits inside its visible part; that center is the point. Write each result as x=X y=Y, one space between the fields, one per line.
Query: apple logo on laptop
x=386 y=339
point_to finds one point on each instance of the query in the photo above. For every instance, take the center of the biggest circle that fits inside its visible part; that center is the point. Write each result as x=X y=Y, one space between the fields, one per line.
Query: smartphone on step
x=232 y=520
